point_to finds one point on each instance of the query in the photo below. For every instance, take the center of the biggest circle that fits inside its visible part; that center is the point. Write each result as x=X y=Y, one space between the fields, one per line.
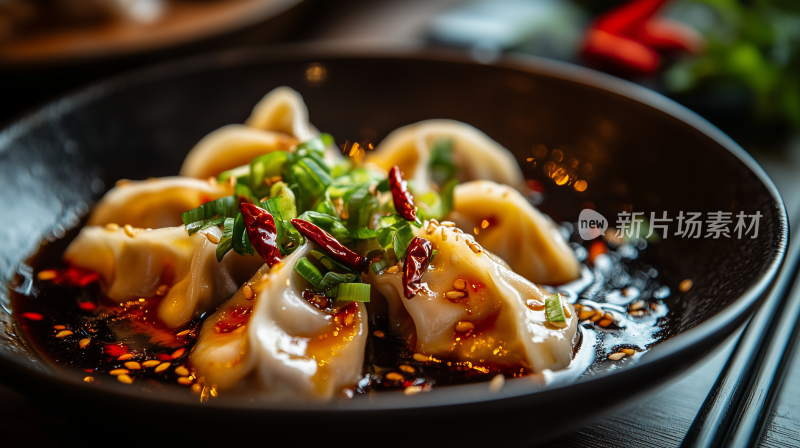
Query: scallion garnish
x=238 y=172
x=195 y=219
x=554 y=310
x=239 y=240
x=350 y=292
x=225 y=242
x=328 y=223
x=329 y=262
x=402 y=238
x=266 y=167
x=308 y=271
x=354 y=202
x=334 y=278
x=364 y=233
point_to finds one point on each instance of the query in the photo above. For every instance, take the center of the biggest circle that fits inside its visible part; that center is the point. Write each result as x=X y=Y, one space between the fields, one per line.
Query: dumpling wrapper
x=476 y=155
x=231 y=146
x=133 y=268
x=293 y=349
x=507 y=331
x=154 y=203
x=283 y=110
x=517 y=232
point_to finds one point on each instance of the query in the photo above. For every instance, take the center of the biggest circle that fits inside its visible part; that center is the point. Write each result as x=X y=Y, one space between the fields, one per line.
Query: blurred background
x=735 y=62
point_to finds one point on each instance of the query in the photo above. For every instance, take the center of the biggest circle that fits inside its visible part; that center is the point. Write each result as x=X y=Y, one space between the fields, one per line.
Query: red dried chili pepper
x=628 y=37
x=262 y=232
x=417 y=257
x=331 y=245
x=403 y=201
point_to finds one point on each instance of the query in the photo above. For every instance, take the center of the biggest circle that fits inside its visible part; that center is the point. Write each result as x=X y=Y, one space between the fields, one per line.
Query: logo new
x=591 y=224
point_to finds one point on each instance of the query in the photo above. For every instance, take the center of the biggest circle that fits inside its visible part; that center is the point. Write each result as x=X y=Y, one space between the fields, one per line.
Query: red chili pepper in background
x=262 y=232
x=417 y=257
x=403 y=201
x=331 y=245
x=628 y=37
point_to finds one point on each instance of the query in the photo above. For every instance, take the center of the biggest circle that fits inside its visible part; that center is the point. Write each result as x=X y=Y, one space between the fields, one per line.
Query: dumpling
x=231 y=146
x=477 y=155
x=471 y=308
x=511 y=228
x=154 y=203
x=292 y=348
x=136 y=267
x=283 y=110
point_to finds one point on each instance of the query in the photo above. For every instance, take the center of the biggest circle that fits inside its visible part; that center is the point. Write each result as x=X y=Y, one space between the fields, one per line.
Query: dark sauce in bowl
x=64 y=315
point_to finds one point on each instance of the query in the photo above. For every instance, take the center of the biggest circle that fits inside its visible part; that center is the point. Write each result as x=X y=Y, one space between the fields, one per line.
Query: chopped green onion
x=364 y=233
x=354 y=203
x=245 y=194
x=224 y=245
x=341 y=168
x=226 y=206
x=288 y=204
x=329 y=262
x=350 y=292
x=194 y=227
x=317 y=145
x=402 y=238
x=308 y=271
x=328 y=223
x=240 y=242
x=437 y=205
x=433 y=254
x=265 y=167
x=381 y=264
x=325 y=206
x=334 y=278
x=383 y=186
x=238 y=172
x=319 y=179
x=554 y=310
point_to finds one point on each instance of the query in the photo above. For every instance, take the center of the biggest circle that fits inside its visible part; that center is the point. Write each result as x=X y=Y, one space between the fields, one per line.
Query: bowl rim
x=727 y=319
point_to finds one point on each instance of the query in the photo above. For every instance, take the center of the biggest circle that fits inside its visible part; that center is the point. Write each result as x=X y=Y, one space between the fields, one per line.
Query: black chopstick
x=735 y=410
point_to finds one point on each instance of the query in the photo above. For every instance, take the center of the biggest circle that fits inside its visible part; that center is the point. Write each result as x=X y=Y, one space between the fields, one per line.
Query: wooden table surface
x=659 y=419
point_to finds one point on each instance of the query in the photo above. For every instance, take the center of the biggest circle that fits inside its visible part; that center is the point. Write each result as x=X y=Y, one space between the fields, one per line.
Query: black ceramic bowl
x=647 y=154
